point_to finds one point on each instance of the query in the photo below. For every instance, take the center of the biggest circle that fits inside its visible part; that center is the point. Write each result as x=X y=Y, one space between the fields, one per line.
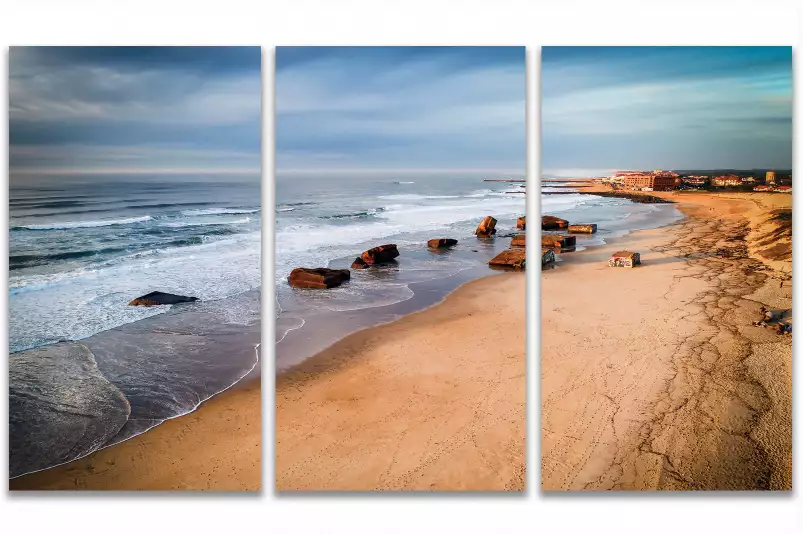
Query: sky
x=400 y=109
x=133 y=110
x=666 y=108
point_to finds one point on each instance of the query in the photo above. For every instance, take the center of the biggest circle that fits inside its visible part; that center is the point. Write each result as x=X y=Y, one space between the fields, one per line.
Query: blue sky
x=134 y=109
x=400 y=108
x=666 y=107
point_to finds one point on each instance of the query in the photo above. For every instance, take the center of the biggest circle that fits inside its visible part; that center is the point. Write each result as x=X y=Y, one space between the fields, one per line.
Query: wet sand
x=217 y=447
x=654 y=377
x=432 y=401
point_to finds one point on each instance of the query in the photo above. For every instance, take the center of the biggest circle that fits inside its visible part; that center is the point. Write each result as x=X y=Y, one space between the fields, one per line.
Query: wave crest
x=85 y=224
x=220 y=211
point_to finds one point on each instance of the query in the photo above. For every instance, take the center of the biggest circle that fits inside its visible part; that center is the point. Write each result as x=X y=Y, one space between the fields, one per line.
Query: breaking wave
x=220 y=211
x=85 y=224
x=179 y=224
x=354 y=215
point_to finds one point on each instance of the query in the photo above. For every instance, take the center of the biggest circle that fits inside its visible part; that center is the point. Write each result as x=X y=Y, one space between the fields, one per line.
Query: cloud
x=666 y=107
x=401 y=107
x=88 y=106
x=104 y=94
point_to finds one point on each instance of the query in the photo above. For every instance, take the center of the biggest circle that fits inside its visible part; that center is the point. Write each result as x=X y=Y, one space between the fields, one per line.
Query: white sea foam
x=93 y=298
x=403 y=197
x=564 y=203
x=179 y=224
x=308 y=241
x=219 y=211
x=88 y=224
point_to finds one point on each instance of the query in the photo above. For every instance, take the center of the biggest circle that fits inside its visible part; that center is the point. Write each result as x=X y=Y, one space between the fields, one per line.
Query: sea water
x=86 y=370
x=329 y=220
x=615 y=217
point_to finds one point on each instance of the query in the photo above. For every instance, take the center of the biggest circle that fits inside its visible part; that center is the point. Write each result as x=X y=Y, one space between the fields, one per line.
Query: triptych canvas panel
x=397 y=280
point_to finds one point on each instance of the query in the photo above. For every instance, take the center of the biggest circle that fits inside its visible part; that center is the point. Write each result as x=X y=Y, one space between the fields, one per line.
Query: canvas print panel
x=400 y=328
x=667 y=288
x=134 y=268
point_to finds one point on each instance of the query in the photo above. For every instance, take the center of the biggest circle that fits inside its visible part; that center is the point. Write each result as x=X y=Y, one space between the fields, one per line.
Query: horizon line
x=400 y=170
x=113 y=171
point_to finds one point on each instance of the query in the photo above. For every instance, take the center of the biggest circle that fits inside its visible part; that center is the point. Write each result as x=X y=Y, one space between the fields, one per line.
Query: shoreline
x=385 y=318
x=252 y=375
x=81 y=473
x=325 y=330
x=168 y=456
x=133 y=464
x=672 y=387
x=322 y=327
x=367 y=390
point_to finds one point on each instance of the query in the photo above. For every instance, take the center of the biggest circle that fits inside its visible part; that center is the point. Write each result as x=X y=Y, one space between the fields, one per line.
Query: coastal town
x=659 y=180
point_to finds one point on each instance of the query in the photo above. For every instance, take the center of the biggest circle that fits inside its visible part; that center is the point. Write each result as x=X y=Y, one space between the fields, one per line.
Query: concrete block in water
x=487 y=227
x=519 y=240
x=319 y=278
x=441 y=243
x=512 y=258
x=558 y=241
x=550 y=222
x=589 y=228
x=380 y=255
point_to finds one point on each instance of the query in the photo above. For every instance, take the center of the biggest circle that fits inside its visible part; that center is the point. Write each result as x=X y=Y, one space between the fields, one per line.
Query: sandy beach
x=655 y=377
x=217 y=447
x=432 y=401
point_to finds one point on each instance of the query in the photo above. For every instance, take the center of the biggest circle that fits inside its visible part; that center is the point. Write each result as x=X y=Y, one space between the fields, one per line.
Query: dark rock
x=487 y=227
x=320 y=278
x=160 y=298
x=380 y=255
x=439 y=243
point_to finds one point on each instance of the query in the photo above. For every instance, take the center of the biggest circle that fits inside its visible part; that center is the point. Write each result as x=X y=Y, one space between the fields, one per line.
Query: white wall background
x=392 y=22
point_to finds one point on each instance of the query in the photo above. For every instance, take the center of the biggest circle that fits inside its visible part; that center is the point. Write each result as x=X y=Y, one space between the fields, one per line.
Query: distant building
x=726 y=181
x=656 y=181
x=696 y=181
x=770 y=177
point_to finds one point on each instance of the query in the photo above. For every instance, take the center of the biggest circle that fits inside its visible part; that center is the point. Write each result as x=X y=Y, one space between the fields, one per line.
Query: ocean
x=85 y=369
x=615 y=217
x=329 y=220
